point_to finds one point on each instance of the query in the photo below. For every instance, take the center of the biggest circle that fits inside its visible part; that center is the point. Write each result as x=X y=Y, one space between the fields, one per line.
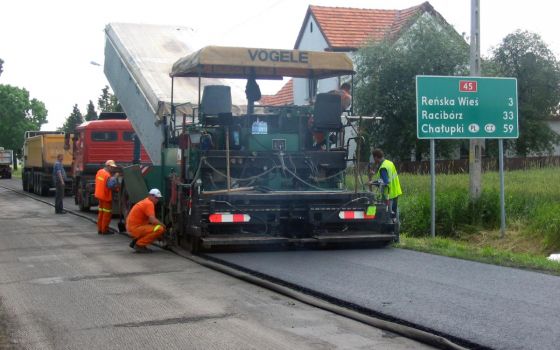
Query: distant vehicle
x=96 y=141
x=40 y=149
x=6 y=160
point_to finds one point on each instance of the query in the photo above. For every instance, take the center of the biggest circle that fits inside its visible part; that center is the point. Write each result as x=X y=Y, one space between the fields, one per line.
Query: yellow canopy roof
x=240 y=62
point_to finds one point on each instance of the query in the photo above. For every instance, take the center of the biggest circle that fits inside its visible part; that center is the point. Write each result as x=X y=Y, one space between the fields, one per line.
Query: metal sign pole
x=433 y=184
x=502 y=190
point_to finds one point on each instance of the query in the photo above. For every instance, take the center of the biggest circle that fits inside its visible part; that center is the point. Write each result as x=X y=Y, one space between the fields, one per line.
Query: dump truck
x=6 y=159
x=40 y=149
x=241 y=176
x=93 y=143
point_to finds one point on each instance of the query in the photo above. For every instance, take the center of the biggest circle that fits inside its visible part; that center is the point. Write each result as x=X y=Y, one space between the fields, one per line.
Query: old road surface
x=62 y=286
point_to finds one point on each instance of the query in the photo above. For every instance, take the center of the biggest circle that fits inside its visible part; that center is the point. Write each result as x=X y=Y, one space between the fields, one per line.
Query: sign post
x=467 y=108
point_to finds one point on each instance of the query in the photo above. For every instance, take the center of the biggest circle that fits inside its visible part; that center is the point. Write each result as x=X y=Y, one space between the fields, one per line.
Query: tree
x=73 y=120
x=18 y=114
x=524 y=55
x=108 y=102
x=385 y=83
x=91 y=113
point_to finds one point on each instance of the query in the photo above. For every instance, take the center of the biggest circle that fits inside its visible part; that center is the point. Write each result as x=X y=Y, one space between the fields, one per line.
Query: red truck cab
x=96 y=141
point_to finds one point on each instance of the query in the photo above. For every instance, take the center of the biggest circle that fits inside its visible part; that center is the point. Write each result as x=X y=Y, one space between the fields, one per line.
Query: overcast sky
x=48 y=45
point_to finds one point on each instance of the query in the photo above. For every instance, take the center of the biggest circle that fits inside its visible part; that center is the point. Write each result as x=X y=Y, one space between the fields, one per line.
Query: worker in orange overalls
x=142 y=223
x=105 y=183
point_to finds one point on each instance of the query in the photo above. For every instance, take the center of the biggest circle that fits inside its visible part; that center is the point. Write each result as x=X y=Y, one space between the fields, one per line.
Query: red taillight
x=355 y=215
x=227 y=217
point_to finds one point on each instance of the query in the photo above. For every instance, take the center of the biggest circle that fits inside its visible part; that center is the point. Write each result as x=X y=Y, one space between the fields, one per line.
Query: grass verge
x=485 y=254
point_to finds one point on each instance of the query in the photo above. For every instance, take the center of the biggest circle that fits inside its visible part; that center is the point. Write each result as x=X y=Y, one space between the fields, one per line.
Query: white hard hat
x=155 y=192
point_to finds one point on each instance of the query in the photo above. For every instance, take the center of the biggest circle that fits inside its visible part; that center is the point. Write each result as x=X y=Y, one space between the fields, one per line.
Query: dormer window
x=311 y=27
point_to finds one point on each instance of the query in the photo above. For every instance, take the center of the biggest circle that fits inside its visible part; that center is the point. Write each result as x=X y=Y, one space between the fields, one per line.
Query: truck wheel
x=43 y=189
x=35 y=184
x=191 y=240
x=76 y=191
x=80 y=198
x=193 y=244
x=81 y=204
x=28 y=183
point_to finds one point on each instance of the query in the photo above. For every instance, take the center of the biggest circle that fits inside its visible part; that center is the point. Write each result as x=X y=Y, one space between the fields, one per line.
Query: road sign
x=466 y=107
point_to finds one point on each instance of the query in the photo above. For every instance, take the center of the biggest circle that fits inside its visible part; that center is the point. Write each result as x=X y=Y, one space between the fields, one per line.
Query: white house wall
x=555 y=126
x=312 y=40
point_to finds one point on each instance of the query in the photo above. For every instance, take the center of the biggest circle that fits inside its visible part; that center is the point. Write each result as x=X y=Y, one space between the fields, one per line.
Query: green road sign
x=466 y=107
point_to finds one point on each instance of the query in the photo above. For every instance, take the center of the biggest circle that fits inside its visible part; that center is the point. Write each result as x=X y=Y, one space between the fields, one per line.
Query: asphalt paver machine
x=243 y=174
x=261 y=177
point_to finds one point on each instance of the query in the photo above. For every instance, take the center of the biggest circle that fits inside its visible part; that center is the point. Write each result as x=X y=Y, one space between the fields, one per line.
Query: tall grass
x=532 y=197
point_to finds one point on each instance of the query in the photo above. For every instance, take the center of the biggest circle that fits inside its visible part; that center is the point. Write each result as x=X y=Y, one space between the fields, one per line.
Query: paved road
x=496 y=307
x=62 y=286
x=15 y=183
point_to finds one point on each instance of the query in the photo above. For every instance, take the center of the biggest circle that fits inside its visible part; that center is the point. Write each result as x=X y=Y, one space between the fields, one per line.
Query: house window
x=311 y=27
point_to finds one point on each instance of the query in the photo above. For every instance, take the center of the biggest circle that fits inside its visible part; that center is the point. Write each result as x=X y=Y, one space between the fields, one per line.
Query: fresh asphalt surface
x=490 y=306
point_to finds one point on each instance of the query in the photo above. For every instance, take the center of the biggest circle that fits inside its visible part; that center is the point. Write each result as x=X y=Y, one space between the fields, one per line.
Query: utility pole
x=476 y=146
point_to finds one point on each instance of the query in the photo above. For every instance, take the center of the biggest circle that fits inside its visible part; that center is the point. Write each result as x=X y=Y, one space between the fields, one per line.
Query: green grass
x=532 y=197
x=452 y=248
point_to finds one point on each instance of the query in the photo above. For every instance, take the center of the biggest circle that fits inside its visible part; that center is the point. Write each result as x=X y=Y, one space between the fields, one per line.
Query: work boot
x=133 y=243
x=142 y=249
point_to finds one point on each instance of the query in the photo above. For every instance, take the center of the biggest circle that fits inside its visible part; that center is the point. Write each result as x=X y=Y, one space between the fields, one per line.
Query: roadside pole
x=433 y=182
x=502 y=190
x=475 y=145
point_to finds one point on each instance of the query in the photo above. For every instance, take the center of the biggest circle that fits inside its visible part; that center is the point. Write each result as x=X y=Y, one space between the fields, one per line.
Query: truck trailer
x=6 y=161
x=96 y=141
x=40 y=149
x=238 y=176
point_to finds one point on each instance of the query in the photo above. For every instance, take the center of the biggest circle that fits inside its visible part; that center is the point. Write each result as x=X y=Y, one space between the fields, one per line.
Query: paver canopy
x=239 y=62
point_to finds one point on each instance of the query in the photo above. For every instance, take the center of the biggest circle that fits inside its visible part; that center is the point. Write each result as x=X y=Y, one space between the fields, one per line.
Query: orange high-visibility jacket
x=102 y=192
x=140 y=213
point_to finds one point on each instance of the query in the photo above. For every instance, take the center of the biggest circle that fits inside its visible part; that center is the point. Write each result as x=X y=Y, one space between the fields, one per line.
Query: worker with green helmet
x=387 y=178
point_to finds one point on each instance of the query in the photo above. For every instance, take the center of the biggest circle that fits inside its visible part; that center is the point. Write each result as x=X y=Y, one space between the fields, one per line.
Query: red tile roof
x=350 y=28
x=283 y=97
x=347 y=29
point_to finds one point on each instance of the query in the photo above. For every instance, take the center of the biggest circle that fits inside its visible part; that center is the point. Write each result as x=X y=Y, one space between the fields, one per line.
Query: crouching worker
x=142 y=223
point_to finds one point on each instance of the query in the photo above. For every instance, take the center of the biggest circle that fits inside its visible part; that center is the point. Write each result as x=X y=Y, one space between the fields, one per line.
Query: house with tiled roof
x=344 y=29
x=282 y=98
